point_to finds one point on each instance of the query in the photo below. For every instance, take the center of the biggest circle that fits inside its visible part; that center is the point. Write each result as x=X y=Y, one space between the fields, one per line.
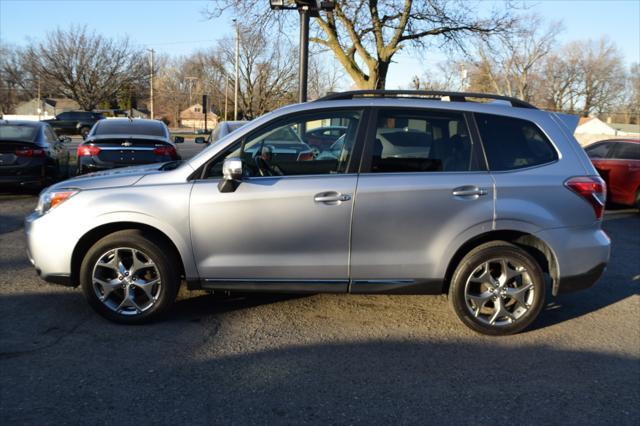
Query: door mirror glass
x=232 y=169
x=200 y=139
x=178 y=139
x=231 y=174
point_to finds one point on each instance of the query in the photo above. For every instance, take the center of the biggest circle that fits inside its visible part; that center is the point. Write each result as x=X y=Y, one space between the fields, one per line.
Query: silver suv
x=494 y=203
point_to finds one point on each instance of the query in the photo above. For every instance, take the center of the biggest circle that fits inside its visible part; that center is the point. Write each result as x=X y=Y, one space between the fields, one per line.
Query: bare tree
x=561 y=76
x=512 y=62
x=364 y=35
x=86 y=67
x=603 y=76
x=267 y=71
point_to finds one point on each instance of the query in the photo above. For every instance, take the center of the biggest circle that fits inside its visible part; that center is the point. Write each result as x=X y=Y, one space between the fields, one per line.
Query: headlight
x=51 y=199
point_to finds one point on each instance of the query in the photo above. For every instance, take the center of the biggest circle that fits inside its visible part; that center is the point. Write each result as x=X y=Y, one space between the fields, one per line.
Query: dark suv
x=75 y=122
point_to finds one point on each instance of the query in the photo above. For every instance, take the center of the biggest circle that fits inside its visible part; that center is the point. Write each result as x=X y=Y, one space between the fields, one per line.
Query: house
x=592 y=129
x=49 y=107
x=194 y=117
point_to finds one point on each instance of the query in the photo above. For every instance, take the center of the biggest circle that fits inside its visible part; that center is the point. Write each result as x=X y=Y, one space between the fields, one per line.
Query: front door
x=288 y=221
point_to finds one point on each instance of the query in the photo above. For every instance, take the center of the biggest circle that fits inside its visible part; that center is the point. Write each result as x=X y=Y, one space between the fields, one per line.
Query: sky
x=180 y=27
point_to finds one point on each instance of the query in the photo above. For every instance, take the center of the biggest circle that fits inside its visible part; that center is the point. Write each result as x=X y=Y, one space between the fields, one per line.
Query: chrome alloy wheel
x=126 y=280
x=499 y=292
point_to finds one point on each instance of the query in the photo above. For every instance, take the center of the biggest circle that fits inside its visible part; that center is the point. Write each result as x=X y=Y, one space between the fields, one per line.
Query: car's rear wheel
x=129 y=277
x=497 y=289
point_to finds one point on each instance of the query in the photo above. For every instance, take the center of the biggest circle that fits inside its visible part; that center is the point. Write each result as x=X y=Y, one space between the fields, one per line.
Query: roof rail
x=429 y=94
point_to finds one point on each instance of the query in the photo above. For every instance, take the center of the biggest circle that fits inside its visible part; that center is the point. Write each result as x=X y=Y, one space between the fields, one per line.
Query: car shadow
x=199 y=378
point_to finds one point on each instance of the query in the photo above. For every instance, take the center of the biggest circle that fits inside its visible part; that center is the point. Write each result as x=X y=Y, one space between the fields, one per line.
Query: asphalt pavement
x=320 y=359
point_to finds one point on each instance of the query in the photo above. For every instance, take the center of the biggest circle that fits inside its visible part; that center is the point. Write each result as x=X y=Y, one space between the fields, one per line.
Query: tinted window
x=50 y=134
x=130 y=127
x=421 y=142
x=512 y=143
x=64 y=116
x=18 y=132
x=279 y=150
x=627 y=151
x=598 y=150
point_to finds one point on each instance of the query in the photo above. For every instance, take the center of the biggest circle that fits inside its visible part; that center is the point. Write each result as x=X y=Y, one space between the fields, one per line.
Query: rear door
x=421 y=186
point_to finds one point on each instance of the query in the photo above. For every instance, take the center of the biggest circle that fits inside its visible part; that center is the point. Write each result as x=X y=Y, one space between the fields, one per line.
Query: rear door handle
x=331 y=197
x=469 y=191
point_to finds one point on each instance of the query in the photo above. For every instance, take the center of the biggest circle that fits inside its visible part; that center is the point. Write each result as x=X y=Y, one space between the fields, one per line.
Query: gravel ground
x=323 y=359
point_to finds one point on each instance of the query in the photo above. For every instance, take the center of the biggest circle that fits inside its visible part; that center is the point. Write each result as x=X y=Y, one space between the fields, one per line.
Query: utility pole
x=39 y=101
x=151 y=52
x=307 y=9
x=190 y=80
x=304 y=53
x=235 y=95
x=226 y=96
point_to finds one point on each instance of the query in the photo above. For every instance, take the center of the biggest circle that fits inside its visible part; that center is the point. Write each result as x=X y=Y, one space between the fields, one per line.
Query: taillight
x=166 y=150
x=30 y=152
x=88 y=150
x=593 y=189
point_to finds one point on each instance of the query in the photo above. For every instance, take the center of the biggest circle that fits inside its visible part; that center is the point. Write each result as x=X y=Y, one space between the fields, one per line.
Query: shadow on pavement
x=170 y=375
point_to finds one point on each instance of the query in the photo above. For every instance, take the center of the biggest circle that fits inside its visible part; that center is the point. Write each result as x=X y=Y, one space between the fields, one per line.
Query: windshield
x=18 y=132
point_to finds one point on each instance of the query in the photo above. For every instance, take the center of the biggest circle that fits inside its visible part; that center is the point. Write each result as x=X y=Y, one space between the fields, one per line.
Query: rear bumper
x=24 y=175
x=582 y=281
x=581 y=255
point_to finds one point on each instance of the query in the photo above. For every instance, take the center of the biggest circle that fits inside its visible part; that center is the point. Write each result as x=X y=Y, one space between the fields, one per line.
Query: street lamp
x=307 y=9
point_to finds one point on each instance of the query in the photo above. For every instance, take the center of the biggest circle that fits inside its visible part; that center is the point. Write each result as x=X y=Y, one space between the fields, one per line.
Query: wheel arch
x=536 y=247
x=95 y=234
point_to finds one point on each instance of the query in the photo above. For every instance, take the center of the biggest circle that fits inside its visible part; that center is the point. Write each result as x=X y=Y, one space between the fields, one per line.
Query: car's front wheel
x=497 y=289
x=129 y=277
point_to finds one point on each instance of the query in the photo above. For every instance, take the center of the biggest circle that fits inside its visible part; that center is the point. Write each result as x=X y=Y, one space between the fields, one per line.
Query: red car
x=618 y=162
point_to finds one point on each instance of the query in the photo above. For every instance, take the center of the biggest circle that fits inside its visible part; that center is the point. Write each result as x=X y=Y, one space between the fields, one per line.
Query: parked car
x=492 y=202
x=122 y=142
x=222 y=129
x=618 y=162
x=75 y=122
x=31 y=154
x=323 y=137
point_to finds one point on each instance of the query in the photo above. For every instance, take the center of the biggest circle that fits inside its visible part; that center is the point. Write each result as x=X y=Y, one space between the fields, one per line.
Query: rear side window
x=512 y=143
x=627 y=151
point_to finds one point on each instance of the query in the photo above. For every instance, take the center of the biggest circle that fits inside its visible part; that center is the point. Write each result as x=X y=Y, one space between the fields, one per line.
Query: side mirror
x=64 y=139
x=178 y=139
x=200 y=139
x=231 y=175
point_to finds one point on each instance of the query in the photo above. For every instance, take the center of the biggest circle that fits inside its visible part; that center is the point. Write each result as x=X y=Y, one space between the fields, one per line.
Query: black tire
x=473 y=261
x=84 y=131
x=155 y=250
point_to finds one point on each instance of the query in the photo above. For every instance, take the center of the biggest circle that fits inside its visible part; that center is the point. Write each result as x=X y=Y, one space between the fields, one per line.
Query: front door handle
x=469 y=191
x=331 y=197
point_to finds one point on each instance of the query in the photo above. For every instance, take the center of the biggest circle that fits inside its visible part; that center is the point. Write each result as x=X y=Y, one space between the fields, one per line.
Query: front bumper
x=49 y=247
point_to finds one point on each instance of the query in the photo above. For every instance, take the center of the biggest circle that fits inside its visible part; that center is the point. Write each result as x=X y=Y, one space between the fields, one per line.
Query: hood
x=113 y=178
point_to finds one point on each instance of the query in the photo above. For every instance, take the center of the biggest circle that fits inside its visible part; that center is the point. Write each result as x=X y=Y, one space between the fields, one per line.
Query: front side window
x=281 y=149
x=421 y=141
x=598 y=150
x=511 y=143
x=627 y=151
